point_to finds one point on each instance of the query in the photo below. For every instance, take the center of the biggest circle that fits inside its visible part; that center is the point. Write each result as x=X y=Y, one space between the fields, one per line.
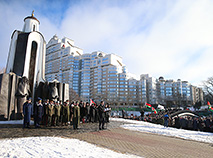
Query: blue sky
x=166 y=38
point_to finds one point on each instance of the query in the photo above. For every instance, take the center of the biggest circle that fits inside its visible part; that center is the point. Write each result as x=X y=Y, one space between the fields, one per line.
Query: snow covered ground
x=54 y=147
x=64 y=147
x=142 y=126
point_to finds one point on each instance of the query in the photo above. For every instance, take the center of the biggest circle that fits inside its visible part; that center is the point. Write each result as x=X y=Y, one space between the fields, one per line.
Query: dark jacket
x=101 y=113
x=27 y=111
x=39 y=110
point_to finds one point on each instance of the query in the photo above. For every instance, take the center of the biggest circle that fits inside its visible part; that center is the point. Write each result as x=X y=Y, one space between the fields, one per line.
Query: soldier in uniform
x=39 y=111
x=57 y=113
x=66 y=113
x=27 y=111
x=45 y=116
x=76 y=115
x=61 y=112
x=50 y=112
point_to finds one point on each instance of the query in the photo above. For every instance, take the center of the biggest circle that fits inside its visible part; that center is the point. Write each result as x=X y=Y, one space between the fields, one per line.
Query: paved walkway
x=120 y=140
x=147 y=145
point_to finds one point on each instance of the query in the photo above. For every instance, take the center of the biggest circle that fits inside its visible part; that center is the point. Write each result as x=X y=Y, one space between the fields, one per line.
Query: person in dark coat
x=71 y=113
x=177 y=122
x=27 y=112
x=166 y=120
x=96 y=113
x=123 y=113
x=142 y=114
x=92 y=113
x=76 y=115
x=88 y=112
x=195 y=124
x=101 y=115
x=83 y=112
x=207 y=124
x=39 y=111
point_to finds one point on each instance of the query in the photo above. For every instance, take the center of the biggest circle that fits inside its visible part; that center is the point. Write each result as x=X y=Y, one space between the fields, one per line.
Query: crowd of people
x=54 y=113
x=201 y=123
x=204 y=123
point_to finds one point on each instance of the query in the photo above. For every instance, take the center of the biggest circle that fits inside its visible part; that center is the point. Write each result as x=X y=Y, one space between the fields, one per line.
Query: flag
x=92 y=102
x=150 y=106
x=208 y=103
x=210 y=107
x=153 y=109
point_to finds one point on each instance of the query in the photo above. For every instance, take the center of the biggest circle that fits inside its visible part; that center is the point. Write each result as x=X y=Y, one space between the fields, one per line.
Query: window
x=105 y=62
x=112 y=75
x=112 y=71
x=104 y=59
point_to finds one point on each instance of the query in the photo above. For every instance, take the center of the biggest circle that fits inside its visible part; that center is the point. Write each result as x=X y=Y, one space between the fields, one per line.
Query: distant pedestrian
x=166 y=120
x=123 y=113
x=177 y=122
x=142 y=114
x=27 y=111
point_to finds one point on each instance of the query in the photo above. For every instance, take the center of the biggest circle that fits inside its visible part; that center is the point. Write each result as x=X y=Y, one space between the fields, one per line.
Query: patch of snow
x=54 y=147
x=142 y=126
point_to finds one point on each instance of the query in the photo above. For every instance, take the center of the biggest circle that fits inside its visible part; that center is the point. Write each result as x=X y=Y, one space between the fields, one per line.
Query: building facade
x=102 y=76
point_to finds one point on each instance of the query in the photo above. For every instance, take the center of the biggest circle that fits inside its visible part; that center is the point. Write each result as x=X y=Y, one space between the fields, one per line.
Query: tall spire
x=33 y=13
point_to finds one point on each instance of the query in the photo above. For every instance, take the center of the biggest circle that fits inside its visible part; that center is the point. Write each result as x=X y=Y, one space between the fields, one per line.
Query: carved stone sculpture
x=53 y=91
x=22 y=92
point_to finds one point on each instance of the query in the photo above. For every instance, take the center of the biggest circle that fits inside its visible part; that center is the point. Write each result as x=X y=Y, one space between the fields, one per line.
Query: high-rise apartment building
x=102 y=76
x=62 y=62
x=178 y=92
x=94 y=75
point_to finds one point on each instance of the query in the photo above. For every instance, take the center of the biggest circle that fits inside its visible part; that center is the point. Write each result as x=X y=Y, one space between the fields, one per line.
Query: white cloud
x=170 y=39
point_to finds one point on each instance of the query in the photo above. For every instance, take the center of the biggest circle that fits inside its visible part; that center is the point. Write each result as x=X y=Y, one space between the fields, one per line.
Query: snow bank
x=142 y=126
x=54 y=147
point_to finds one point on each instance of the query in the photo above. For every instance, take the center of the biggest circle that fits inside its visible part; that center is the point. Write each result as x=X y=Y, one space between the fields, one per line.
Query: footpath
x=119 y=139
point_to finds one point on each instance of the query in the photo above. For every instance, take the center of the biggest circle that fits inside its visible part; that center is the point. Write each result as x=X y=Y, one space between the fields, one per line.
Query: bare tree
x=74 y=96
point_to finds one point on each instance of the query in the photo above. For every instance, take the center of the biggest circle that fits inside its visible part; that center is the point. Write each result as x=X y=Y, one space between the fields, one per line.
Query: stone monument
x=25 y=72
